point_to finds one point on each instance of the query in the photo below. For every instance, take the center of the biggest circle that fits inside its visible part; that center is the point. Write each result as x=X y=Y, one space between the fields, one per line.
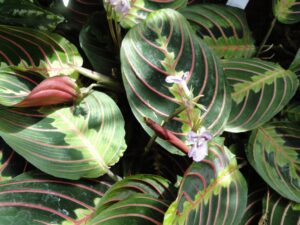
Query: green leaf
x=295 y=65
x=287 y=12
x=26 y=14
x=77 y=12
x=16 y=85
x=140 y=9
x=34 y=198
x=11 y=164
x=292 y=112
x=281 y=211
x=253 y=211
x=152 y=185
x=212 y=191
x=224 y=29
x=164 y=44
x=31 y=49
x=96 y=42
x=260 y=89
x=136 y=210
x=70 y=142
x=273 y=151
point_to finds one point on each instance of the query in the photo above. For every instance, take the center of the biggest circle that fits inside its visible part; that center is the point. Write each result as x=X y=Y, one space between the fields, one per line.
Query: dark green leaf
x=96 y=42
x=166 y=45
x=222 y=28
x=136 y=210
x=34 y=199
x=281 y=211
x=260 y=89
x=273 y=151
x=26 y=14
x=152 y=185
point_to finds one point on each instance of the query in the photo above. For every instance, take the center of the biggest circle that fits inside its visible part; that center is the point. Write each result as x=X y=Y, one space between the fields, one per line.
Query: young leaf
x=222 y=28
x=211 y=192
x=28 y=89
x=70 y=142
x=51 y=91
x=287 y=12
x=31 y=49
x=34 y=198
x=26 y=14
x=273 y=151
x=260 y=90
x=164 y=44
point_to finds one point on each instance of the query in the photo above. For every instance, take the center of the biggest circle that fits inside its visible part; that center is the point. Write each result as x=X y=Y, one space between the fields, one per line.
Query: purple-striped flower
x=120 y=6
x=181 y=81
x=199 y=142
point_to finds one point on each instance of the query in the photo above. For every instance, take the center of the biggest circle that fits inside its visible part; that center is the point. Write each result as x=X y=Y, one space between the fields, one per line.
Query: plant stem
x=112 y=32
x=118 y=35
x=154 y=136
x=113 y=176
x=102 y=80
x=266 y=36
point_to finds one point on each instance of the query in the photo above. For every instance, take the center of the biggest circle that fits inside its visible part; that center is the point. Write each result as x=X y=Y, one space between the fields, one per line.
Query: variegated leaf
x=295 y=65
x=260 y=89
x=139 y=10
x=152 y=185
x=292 y=112
x=273 y=151
x=223 y=28
x=253 y=212
x=281 y=211
x=287 y=12
x=70 y=142
x=34 y=199
x=136 y=210
x=31 y=49
x=211 y=192
x=164 y=45
x=26 y=14
x=11 y=163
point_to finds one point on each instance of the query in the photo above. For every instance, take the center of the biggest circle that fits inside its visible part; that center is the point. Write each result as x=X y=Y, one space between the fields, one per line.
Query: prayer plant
x=148 y=112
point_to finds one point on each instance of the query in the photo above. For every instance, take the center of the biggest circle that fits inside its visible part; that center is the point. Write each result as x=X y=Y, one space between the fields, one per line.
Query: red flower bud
x=52 y=91
x=167 y=135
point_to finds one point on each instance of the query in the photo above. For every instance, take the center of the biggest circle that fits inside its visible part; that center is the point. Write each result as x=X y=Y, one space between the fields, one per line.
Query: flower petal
x=198 y=153
x=174 y=79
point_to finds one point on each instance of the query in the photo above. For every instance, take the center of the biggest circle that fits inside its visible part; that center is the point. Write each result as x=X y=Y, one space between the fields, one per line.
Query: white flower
x=199 y=149
x=120 y=6
x=181 y=81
